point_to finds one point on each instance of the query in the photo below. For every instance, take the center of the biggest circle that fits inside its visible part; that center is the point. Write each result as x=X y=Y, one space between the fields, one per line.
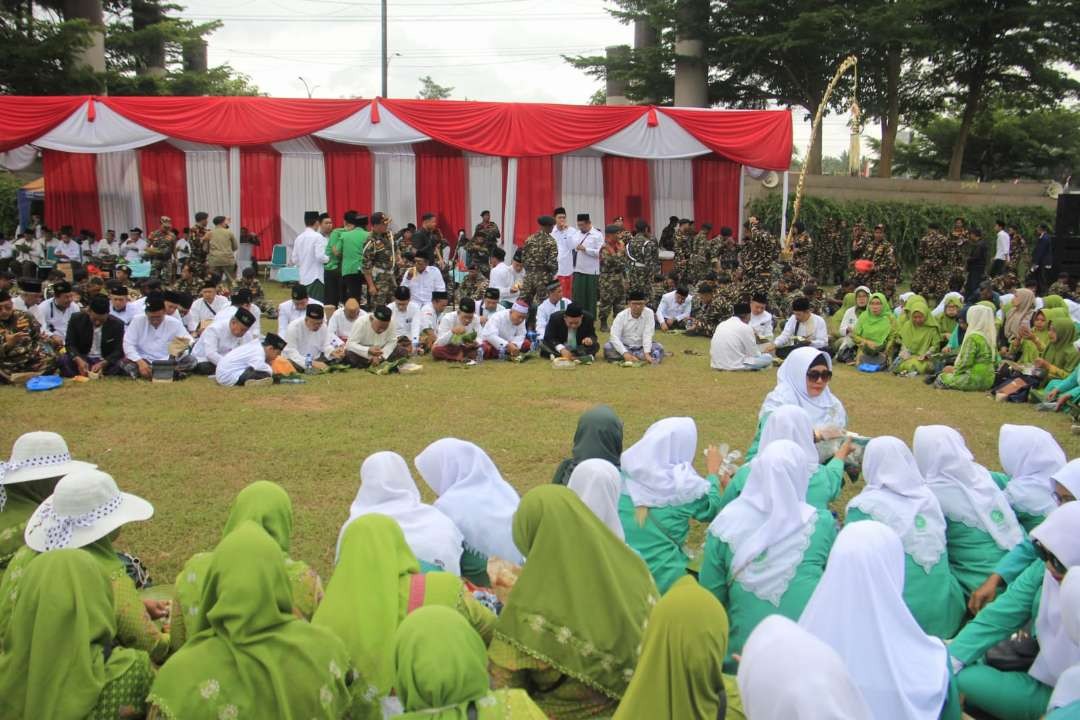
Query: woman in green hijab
x=874 y=331
x=1056 y=361
x=440 y=672
x=952 y=307
x=680 y=673
x=59 y=660
x=376 y=584
x=251 y=656
x=572 y=644
x=599 y=434
x=918 y=338
x=267 y=505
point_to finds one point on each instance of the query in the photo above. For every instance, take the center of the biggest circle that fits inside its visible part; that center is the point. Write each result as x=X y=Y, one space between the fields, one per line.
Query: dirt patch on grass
x=295 y=403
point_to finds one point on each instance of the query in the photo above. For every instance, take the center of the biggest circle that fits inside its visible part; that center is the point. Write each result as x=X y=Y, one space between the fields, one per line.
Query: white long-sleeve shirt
x=202 y=310
x=504 y=277
x=340 y=325
x=500 y=331
x=1003 y=246
x=300 y=341
x=732 y=343
x=102 y=247
x=250 y=354
x=287 y=312
x=406 y=323
x=421 y=285
x=545 y=310
x=450 y=320
x=215 y=342
x=143 y=341
x=363 y=337
x=69 y=250
x=126 y=315
x=628 y=331
x=588 y=259
x=227 y=314
x=309 y=253
x=813 y=330
x=7 y=249
x=762 y=325
x=567 y=240
x=429 y=319
x=54 y=321
x=132 y=251
x=847 y=322
x=671 y=309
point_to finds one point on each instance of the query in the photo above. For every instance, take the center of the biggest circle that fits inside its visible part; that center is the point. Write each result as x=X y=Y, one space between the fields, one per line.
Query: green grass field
x=188 y=447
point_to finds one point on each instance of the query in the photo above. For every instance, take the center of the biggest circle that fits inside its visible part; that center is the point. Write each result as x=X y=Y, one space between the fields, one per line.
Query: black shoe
x=929 y=379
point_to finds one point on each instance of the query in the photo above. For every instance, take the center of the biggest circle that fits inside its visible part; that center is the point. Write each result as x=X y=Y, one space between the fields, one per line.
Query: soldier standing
x=728 y=250
x=540 y=256
x=931 y=278
x=701 y=256
x=379 y=262
x=684 y=247
x=643 y=257
x=757 y=257
x=802 y=248
x=667 y=235
x=159 y=249
x=488 y=229
x=613 y=265
x=200 y=250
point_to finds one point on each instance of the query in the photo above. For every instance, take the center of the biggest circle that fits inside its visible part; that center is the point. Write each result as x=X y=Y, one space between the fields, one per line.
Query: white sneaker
x=259 y=382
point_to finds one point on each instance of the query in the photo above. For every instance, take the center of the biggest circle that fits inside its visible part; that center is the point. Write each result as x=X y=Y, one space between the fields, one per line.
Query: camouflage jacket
x=540 y=256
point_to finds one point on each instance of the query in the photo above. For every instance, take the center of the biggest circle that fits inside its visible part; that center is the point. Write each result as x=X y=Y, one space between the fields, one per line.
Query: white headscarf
x=788 y=674
x=387 y=488
x=1067 y=690
x=473 y=494
x=902 y=672
x=980 y=321
x=824 y=410
x=896 y=494
x=791 y=422
x=659 y=467
x=598 y=483
x=769 y=526
x=940 y=309
x=1069 y=477
x=1029 y=456
x=1057 y=650
x=903 y=299
x=964 y=488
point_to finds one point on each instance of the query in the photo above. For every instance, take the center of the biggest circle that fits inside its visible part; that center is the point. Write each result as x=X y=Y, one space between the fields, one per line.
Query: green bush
x=9 y=206
x=905 y=222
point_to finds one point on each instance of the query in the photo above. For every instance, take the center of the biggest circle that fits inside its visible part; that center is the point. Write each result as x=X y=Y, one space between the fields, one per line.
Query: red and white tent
x=117 y=162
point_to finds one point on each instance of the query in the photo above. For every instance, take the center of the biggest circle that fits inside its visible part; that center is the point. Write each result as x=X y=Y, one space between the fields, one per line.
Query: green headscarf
x=919 y=340
x=948 y=324
x=679 y=674
x=599 y=434
x=833 y=322
x=54 y=663
x=1061 y=353
x=876 y=328
x=22 y=500
x=589 y=624
x=1054 y=301
x=363 y=604
x=253 y=657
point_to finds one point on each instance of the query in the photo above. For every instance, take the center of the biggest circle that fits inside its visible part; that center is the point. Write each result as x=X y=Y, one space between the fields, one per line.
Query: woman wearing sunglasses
x=803 y=380
x=1035 y=596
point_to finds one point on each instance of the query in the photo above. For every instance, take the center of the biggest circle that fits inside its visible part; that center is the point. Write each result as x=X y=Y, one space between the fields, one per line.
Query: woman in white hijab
x=902 y=672
x=788 y=674
x=475 y=496
x=980 y=526
x=1065 y=702
x=599 y=484
x=1029 y=456
x=896 y=495
x=940 y=309
x=845 y=344
x=803 y=380
x=1034 y=596
x=791 y=422
x=765 y=552
x=387 y=488
x=663 y=492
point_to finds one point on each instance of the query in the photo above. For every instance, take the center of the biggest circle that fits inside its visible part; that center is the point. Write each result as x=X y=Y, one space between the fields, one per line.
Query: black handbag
x=1015 y=653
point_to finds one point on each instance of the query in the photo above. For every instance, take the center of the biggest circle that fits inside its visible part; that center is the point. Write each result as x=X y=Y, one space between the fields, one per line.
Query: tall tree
x=431 y=90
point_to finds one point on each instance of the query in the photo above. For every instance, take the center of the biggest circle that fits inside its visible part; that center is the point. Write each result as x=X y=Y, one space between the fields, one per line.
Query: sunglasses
x=1062 y=499
x=1049 y=557
x=819 y=375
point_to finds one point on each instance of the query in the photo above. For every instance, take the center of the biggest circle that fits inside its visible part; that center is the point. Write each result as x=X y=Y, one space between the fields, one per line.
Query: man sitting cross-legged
x=503 y=336
x=22 y=348
x=342 y=321
x=95 y=342
x=570 y=334
x=153 y=337
x=431 y=314
x=373 y=342
x=456 y=338
x=309 y=340
x=632 y=334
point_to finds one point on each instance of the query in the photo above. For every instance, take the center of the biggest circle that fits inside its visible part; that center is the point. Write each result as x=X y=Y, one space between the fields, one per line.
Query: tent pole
x=742 y=202
x=783 y=208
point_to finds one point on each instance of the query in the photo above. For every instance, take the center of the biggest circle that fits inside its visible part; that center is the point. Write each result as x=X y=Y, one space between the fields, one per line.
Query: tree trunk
x=145 y=13
x=891 y=121
x=92 y=56
x=971 y=107
x=813 y=160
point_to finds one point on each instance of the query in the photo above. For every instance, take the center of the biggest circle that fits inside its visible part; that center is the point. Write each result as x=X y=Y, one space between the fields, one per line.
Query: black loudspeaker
x=1067 y=235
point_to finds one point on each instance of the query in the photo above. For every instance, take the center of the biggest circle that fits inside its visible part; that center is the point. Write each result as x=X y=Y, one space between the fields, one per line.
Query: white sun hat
x=37 y=456
x=85 y=507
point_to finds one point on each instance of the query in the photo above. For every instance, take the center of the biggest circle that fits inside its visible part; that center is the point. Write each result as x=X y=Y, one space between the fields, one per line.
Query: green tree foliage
x=9 y=210
x=431 y=90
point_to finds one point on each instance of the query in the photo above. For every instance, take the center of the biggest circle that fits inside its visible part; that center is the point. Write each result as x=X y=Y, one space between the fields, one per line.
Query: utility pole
x=385 y=58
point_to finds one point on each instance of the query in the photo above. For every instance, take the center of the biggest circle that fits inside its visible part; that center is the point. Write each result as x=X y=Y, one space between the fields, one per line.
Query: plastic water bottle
x=307 y=363
x=480 y=355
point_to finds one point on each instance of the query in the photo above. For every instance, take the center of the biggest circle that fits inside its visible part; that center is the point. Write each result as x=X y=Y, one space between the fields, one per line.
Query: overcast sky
x=507 y=50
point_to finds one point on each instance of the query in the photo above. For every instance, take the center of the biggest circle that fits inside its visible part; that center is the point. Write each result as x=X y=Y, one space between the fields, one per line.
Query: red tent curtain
x=716 y=192
x=626 y=189
x=442 y=182
x=350 y=183
x=163 y=176
x=535 y=194
x=260 y=198
x=71 y=192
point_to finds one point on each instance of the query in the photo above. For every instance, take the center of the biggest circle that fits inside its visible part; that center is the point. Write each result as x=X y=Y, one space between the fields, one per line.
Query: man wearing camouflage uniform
x=613 y=265
x=488 y=229
x=885 y=274
x=931 y=278
x=827 y=253
x=701 y=256
x=757 y=257
x=22 y=349
x=378 y=262
x=540 y=256
x=159 y=250
x=802 y=248
x=643 y=257
x=684 y=247
x=200 y=250
x=704 y=313
x=473 y=285
x=248 y=281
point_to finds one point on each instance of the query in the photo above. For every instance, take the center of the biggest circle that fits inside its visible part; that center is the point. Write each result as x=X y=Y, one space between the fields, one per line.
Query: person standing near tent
x=309 y=253
x=222 y=246
x=353 y=241
x=587 y=262
x=540 y=257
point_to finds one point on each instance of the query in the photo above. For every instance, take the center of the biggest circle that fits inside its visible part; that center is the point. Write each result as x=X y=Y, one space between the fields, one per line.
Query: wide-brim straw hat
x=39 y=455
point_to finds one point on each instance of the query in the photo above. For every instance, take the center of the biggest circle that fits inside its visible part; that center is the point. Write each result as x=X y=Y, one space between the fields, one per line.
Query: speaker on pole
x=1066 y=247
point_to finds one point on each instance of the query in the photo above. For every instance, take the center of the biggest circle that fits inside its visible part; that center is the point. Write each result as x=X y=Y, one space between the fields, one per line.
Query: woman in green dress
x=874 y=331
x=917 y=338
x=572 y=644
x=663 y=493
x=440 y=672
x=980 y=525
x=896 y=495
x=1034 y=339
x=376 y=584
x=252 y=657
x=1065 y=700
x=599 y=435
x=947 y=314
x=59 y=660
x=268 y=506
x=901 y=671
x=766 y=551
x=1033 y=598
x=976 y=361
x=1029 y=456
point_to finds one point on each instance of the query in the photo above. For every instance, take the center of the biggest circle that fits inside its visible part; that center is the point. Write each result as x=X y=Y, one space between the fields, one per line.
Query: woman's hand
x=713 y=460
x=844 y=450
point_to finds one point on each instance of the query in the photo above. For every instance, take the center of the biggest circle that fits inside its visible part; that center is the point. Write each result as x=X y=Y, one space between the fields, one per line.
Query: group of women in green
x=611 y=613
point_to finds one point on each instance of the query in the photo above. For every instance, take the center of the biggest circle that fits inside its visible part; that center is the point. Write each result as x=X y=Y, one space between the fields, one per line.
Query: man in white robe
x=206 y=307
x=507 y=279
x=343 y=319
x=218 y=339
x=250 y=364
x=801 y=329
x=427 y=324
x=632 y=334
x=153 y=337
x=293 y=308
x=674 y=309
x=457 y=338
x=734 y=345
x=553 y=303
x=55 y=313
x=406 y=322
x=373 y=342
x=504 y=335
x=309 y=339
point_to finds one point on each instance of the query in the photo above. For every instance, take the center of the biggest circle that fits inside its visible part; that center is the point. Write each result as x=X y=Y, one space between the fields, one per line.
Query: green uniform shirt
x=973 y=554
x=334 y=249
x=824 y=486
x=352 y=250
x=1029 y=521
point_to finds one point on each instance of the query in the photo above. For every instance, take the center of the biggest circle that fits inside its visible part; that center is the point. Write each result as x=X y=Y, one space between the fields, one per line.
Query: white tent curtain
x=18 y=158
x=303 y=184
x=234 y=191
x=510 y=207
x=485 y=188
x=119 y=191
x=109 y=132
x=357 y=129
x=207 y=178
x=672 y=183
x=665 y=140
x=395 y=182
x=581 y=186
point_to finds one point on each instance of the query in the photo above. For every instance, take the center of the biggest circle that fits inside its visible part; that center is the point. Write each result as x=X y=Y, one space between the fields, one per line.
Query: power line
x=396 y=18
